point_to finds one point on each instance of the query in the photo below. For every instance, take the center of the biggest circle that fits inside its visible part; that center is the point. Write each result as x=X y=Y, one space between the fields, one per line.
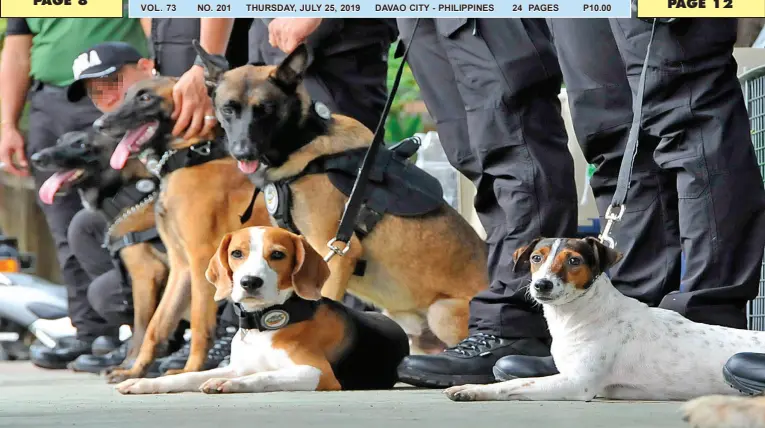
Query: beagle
x=290 y=337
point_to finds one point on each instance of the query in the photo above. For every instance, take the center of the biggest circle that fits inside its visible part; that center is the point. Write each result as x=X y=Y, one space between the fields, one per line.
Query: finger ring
x=210 y=118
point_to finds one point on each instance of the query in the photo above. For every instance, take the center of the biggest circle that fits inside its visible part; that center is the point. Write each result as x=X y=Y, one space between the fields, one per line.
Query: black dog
x=126 y=198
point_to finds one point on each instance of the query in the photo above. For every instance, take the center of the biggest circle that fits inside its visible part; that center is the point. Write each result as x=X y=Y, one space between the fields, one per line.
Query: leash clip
x=611 y=219
x=203 y=150
x=335 y=250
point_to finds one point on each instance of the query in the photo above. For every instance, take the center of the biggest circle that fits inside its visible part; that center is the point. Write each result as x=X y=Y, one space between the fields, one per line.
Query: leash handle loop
x=356 y=199
x=630 y=153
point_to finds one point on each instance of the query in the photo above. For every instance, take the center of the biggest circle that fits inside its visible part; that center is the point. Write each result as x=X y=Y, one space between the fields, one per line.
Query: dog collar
x=197 y=154
x=277 y=317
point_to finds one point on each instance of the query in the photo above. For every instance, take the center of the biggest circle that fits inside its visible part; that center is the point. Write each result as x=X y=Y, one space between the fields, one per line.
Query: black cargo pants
x=696 y=186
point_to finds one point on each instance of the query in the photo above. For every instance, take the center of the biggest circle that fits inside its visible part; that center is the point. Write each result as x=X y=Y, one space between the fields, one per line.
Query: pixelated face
x=108 y=92
x=563 y=269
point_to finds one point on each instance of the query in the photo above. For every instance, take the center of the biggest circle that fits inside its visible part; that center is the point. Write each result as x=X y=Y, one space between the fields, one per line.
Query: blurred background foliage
x=404 y=119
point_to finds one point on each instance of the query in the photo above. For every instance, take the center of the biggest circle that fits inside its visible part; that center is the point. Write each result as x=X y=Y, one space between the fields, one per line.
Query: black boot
x=746 y=372
x=221 y=348
x=104 y=345
x=471 y=361
x=92 y=363
x=523 y=366
x=66 y=350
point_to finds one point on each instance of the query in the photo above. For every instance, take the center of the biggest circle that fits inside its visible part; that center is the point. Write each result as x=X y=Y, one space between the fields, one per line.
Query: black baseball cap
x=100 y=60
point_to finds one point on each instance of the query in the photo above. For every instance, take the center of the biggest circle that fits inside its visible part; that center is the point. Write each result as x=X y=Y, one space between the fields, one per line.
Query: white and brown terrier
x=290 y=338
x=608 y=345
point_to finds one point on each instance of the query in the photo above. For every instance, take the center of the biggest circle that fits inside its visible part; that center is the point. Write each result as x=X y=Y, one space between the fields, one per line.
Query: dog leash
x=618 y=206
x=356 y=198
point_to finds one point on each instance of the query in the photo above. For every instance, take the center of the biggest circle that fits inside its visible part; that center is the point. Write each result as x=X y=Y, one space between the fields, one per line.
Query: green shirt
x=58 y=41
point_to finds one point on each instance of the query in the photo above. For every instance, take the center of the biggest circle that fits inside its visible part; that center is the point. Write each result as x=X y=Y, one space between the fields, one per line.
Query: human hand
x=12 y=151
x=193 y=112
x=288 y=33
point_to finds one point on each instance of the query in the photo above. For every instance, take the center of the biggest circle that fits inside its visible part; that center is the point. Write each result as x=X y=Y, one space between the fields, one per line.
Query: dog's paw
x=721 y=411
x=466 y=393
x=218 y=386
x=118 y=375
x=136 y=386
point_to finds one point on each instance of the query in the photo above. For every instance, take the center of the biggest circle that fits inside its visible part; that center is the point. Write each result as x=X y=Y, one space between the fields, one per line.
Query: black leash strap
x=245 y=217
x=618 y=206
x=356 y=199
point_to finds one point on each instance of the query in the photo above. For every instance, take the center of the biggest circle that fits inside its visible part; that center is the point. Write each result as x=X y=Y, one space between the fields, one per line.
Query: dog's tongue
x=52 y=185
x=124 y=148
x=248 y=167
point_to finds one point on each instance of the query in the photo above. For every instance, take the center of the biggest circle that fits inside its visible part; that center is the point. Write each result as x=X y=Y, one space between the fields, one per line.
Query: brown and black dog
x=422 y=269
x=202 y=195
x=80 y=160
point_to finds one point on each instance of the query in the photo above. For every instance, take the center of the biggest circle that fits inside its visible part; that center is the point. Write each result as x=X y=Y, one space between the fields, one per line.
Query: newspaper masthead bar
x=380 y=9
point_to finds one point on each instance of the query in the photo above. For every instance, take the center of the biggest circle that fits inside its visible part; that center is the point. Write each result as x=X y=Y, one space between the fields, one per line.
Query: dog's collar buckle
x=202 y=149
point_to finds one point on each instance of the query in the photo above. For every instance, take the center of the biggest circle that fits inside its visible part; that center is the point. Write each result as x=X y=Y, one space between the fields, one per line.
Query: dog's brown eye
x=145 y=97
x=277 y=255
x=536 y=258
x=227 y=111
x=574 y=261
x=237 y=254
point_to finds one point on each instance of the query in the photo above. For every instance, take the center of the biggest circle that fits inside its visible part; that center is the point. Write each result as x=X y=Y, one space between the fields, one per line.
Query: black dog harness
x=396 y=186
x=197 y=154
x=374 y=340
x=130 y=195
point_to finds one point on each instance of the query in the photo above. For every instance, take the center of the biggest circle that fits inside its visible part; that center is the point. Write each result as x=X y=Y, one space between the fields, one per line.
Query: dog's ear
x=605 y=257
x=310 y=272
x=521 y=255
x=219 y=272
x=215 y=66
x=292 y=69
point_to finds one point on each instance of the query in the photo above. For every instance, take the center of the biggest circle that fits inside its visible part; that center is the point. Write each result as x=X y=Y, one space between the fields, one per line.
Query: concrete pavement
x=32 y=397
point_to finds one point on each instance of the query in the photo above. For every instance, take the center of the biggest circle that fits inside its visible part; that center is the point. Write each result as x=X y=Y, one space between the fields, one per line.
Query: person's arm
x=14 y=71
x=193 y=113
x=14 y=75
x=214 y=34
x=287 y=33
x=146 y=25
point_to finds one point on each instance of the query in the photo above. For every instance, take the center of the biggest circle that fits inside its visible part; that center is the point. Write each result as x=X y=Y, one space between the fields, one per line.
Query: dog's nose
x=251 y=283
x=543 y=285
x=241 y=151
x=39 y=158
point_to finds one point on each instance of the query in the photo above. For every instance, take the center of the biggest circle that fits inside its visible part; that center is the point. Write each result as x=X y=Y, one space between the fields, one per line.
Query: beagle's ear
x=219 y=272
x=215 y=66
x=292 y=69
x=605 y=256
x=310 y=272
x=521 y=255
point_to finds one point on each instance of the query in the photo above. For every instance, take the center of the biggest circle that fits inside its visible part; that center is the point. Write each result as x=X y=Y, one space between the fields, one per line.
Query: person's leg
x=86 y=238
x=527 y=188
x=600 y=101
x=51 y=116
x=487 y=127
x=693 y=102
x=110 y=296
